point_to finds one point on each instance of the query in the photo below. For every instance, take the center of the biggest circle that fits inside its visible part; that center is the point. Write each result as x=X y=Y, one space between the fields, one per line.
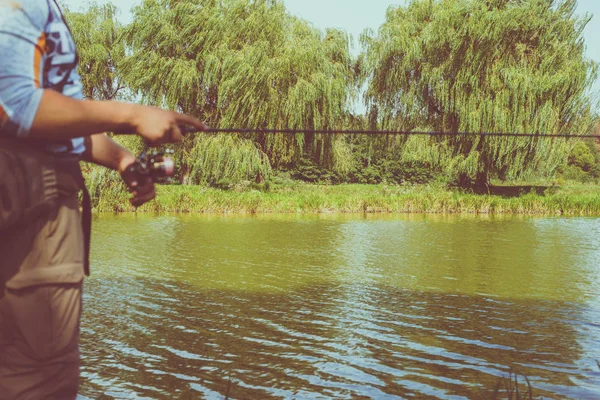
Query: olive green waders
x=43 y=259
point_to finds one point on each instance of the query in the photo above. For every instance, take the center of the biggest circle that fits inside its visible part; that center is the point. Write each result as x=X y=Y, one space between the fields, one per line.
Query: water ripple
x=381 y=309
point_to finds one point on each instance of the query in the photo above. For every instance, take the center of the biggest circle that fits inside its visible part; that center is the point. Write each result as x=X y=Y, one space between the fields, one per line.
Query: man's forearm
x=61 y=117
x=102 y=150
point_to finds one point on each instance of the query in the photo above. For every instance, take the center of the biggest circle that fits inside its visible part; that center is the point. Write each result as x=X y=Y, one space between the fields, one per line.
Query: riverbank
x=574 y=199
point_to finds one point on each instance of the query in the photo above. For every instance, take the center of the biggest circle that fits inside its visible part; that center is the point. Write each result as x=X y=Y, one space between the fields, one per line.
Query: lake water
x=334 y=306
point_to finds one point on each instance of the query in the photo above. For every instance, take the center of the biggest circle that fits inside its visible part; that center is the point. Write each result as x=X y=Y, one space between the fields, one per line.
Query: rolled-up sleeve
x=21 y=55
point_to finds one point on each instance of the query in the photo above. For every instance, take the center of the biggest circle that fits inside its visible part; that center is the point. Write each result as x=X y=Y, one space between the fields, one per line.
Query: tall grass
x=305 y=198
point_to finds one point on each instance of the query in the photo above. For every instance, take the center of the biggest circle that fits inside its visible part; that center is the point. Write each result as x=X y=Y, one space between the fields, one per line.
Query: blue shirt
x=37 y=52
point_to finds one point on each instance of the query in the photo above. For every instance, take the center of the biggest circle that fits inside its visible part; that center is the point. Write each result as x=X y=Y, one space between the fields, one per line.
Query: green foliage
x=583 y=164
x=308 y=171
x=382 y=171
x=242 y=63
x=573 y=173
x=583 y=156
x=381 y=159
x=394 y=172
x=223 y=160
x=102 y=184
x=482 y=66
x=342 y=155
x=97 y=34
x=444 y=65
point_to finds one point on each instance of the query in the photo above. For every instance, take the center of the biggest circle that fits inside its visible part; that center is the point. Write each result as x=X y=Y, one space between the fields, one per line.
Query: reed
x=513 y=387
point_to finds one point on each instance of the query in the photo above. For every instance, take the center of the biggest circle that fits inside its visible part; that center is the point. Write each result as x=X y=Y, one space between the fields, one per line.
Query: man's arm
x=27 y=109
x=102 y=150
x=61 y=117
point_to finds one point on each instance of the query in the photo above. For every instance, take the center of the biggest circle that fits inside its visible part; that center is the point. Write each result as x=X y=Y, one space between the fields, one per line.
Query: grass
x=570 y=199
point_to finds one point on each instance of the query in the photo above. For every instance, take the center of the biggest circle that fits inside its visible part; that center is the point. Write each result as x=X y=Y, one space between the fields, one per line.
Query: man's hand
x=143 y=191
x=159 y=126
x=102 y=150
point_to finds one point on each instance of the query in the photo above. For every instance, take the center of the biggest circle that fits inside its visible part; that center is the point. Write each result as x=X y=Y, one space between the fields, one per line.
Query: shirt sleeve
x=22 y=25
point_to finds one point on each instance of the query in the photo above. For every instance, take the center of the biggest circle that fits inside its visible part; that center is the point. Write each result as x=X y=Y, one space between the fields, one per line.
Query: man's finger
x=153 y=142
x=143 y=194
x=192 y=121
x=147 y=187
x=176 y=134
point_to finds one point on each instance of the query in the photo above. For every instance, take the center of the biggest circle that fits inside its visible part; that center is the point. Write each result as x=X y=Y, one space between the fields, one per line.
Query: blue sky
x=354 y=16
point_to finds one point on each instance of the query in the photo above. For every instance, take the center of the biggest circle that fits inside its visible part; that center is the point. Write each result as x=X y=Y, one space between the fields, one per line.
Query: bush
x=583 y=163
x=583 y=156
x=574 y=173
x=307 y=171
x=392 y=171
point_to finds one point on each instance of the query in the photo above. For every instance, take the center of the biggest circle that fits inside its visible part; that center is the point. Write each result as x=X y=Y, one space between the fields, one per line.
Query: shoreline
x=301 y=198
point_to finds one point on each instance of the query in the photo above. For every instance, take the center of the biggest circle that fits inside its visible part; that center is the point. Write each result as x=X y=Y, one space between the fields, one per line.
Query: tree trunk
x=464 y=181
x=481 y=181
x=309 y=146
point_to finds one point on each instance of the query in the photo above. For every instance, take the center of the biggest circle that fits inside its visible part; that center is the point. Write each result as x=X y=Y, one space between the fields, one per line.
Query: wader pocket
x=28 y=183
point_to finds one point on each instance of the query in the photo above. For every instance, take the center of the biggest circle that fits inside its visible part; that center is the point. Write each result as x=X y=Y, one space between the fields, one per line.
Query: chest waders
x=32 y=181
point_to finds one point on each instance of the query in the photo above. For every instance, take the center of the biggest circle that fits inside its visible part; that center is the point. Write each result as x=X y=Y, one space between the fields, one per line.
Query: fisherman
x=46 y=127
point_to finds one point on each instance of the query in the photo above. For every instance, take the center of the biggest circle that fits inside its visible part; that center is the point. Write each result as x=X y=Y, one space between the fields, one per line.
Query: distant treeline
x=440 y=65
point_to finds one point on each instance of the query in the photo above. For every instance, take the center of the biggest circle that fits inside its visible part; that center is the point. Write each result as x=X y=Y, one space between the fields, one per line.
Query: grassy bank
x=304 y=198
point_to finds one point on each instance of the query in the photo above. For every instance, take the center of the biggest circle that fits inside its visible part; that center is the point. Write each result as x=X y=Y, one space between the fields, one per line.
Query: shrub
x=582 y=156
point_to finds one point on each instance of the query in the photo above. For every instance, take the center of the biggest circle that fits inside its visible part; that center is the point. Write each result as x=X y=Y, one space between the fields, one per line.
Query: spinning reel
x=154 y=164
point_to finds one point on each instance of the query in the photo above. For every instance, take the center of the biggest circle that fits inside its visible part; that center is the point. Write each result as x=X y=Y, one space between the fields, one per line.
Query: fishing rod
x=384 y=132
x=158 y=165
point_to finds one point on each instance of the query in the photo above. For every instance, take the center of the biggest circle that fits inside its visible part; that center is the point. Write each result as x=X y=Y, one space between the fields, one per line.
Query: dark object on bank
x=514 y=191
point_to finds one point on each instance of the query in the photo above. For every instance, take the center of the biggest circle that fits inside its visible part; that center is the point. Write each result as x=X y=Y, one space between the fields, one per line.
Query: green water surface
x=335 y=306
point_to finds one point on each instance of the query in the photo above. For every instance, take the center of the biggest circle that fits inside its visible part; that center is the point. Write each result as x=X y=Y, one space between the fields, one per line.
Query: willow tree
x=243 y=64
x=482 y=66
x=98 y=36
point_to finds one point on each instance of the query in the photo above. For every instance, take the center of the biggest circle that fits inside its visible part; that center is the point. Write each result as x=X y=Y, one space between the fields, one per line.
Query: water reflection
x=340 y=307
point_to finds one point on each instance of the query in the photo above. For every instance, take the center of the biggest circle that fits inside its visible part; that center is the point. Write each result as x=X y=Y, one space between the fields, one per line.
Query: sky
x=354 y=16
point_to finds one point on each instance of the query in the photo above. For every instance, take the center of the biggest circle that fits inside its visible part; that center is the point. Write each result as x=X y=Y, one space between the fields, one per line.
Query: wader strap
x=71 y=180
x=86 y=224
